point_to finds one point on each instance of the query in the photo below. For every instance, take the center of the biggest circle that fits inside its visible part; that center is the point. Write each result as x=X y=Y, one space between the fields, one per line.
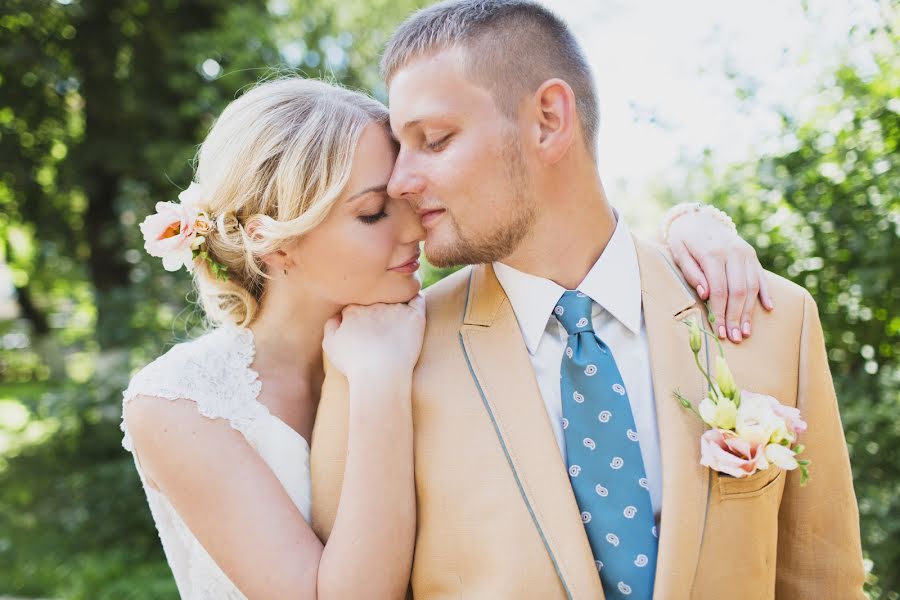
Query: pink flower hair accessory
x=177 y=233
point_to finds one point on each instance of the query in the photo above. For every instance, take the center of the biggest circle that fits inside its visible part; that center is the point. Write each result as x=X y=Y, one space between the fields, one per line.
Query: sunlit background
x=784 y=113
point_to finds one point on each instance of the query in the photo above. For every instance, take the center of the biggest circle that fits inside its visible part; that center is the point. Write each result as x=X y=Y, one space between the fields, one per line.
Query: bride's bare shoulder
x=173 y=440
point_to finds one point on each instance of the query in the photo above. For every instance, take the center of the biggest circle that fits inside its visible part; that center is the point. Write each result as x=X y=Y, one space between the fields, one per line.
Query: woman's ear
x=277 y=262
x=554 y=104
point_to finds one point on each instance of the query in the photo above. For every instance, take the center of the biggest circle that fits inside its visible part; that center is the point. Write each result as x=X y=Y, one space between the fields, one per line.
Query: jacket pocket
x=748 y=487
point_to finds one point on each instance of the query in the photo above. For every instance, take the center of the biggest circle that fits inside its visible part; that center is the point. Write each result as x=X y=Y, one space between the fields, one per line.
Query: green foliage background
x=102 y=104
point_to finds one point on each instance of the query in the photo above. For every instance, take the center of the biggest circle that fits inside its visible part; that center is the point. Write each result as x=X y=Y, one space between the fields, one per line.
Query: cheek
x=359 y=254
x=370 y=250
x=470 y=178
x=344 y=262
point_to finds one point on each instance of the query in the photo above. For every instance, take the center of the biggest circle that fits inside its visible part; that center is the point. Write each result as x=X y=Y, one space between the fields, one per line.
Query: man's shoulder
x=454 y=282
x=447 y=297
x=777 y=334
x=791 y=300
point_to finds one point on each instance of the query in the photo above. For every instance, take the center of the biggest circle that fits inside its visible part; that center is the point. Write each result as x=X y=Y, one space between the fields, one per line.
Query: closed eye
x=440 y=144
x=372 y=219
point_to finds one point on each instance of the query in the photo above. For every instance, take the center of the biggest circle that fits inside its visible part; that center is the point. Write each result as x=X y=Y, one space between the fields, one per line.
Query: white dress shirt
x=614 y=284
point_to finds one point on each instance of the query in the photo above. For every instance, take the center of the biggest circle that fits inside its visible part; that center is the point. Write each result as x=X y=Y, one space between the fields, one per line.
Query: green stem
x=712 y=323
x=686 y=403
x=699 y=366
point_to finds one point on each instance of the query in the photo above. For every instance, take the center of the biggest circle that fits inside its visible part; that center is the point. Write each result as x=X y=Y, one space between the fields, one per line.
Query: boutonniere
x=748 y=431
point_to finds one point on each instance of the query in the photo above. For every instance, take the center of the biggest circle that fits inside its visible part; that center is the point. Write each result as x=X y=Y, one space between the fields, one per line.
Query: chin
x=398 y=292
x=442 y=251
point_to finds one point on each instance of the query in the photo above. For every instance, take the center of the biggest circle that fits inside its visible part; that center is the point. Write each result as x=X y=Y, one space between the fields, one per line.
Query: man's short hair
x=511 y=47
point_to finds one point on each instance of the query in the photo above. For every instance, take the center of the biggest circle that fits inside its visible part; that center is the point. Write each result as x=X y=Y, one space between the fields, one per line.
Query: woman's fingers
x=332 y=324
x=764 y=296
x=753 y=286
x=736 y=272
x=418 y=304
x=691 y=270
x=713 y=266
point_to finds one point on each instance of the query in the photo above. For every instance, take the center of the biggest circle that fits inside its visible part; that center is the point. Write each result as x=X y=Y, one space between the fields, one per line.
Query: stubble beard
x=505 y=238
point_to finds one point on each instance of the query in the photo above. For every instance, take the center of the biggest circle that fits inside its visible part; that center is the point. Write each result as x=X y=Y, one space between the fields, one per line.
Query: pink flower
x=192 y=196
x=790 y=415
x=726 y=452
x=170 y=233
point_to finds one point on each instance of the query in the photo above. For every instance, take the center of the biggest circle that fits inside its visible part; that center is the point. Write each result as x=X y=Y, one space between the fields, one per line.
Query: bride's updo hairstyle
x=269 y=171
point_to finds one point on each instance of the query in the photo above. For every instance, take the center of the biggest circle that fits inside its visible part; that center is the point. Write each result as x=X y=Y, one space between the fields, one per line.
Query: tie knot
x=574 y=312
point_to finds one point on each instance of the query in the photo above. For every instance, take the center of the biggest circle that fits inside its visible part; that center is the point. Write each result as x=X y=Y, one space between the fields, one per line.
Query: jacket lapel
x=499 y=363
x=667 y=302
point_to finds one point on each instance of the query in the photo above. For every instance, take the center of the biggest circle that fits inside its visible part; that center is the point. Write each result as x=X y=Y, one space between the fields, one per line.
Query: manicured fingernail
x=699 y=290
x=722 y=331
x=746 y=328
x=735 y=334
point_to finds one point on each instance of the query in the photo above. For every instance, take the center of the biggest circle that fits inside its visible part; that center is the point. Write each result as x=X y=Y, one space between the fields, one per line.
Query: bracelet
x=679 y=210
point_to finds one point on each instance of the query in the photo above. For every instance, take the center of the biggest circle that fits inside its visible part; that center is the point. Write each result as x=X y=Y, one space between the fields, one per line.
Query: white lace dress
x=214 y=371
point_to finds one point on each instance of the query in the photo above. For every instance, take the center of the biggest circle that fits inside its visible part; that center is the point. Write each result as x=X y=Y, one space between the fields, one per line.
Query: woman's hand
x=723 y=268
x=377 y=340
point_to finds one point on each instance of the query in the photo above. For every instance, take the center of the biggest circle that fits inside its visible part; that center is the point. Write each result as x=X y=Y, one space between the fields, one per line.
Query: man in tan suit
x=494 y=109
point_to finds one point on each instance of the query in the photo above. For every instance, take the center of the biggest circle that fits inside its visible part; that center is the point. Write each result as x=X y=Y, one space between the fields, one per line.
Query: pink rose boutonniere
x=748 y=431
x=177 y=232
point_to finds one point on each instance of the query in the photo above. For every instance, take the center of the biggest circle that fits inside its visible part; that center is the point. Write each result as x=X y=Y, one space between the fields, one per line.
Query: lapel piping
x=500 y=367
x=667 y=302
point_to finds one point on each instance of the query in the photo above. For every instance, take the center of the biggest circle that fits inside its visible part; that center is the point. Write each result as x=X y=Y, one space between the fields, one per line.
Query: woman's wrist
x=380 y=378
x=685 y=208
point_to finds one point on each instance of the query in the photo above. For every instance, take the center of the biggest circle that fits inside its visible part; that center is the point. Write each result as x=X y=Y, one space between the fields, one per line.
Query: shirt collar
x=613 y=282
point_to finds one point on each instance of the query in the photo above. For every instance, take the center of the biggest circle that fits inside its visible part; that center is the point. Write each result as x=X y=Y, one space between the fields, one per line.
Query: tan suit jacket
x=496 y=514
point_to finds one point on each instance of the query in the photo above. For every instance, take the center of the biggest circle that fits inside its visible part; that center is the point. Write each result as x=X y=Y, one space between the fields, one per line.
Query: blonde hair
x=270 y=170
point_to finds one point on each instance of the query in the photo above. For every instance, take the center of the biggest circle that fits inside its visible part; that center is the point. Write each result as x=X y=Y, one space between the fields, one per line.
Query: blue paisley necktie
x=604 y=457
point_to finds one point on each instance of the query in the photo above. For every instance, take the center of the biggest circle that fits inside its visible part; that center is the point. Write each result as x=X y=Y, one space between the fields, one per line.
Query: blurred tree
x=102 y=105
x=825 y=212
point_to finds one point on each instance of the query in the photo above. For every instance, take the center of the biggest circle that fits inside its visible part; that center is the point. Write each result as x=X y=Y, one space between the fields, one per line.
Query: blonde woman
x=295 y=246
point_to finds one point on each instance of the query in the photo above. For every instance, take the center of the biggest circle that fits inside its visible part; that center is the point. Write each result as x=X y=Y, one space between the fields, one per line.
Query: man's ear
x=554 y=105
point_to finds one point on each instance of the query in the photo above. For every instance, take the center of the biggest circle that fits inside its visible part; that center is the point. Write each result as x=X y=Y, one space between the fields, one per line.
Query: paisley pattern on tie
x=606 y=469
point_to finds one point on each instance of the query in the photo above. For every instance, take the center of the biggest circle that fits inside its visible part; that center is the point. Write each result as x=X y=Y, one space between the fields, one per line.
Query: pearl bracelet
x=679 y=210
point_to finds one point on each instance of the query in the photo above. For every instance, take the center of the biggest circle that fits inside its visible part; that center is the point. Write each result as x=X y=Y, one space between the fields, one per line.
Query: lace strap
x=213 y=371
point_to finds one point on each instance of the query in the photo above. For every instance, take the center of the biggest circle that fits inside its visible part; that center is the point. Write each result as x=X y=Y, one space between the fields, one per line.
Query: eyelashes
x=440 y=144
x=372 y=219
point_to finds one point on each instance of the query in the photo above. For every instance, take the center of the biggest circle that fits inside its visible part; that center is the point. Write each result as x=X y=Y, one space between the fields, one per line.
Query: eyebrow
x=440 y=114
x=410 y=124
x=375 y=188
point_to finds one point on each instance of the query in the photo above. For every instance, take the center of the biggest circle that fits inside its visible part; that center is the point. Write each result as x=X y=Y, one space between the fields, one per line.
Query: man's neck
x=571 y=233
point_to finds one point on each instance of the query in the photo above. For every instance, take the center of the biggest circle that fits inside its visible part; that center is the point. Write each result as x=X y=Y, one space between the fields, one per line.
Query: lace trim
x=214 y=371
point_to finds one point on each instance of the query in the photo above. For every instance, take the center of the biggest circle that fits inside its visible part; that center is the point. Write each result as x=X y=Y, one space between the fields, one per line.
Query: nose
x=405 y=182
x=410 y=225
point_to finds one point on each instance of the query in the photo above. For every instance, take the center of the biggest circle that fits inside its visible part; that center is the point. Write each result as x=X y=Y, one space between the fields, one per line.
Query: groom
x=494 y=109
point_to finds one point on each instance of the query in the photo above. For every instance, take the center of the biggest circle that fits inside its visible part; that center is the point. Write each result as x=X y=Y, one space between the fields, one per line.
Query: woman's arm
x=370 y=549
x=227 y=496
x=237 y=508
x=369 y=552
x=719 y=264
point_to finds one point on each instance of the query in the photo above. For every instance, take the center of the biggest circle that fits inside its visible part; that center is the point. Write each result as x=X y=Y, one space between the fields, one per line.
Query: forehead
x=435 y=85
x=373 y=159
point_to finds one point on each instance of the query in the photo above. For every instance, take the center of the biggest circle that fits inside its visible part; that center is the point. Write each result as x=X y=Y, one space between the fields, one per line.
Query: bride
x=295 y=248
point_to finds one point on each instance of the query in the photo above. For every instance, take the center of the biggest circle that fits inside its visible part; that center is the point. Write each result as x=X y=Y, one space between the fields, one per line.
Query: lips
x=410 y=266
x=430 y=216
